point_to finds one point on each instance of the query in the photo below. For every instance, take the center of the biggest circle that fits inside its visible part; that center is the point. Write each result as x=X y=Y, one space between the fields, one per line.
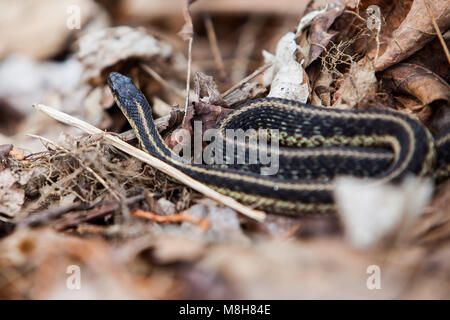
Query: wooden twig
x=438 y=31
x=203 y=224
x=103 y=210
x=163 y=82
x=154 y=162
x=245 y=47
x=47 y=215
x=214 y=46
x=187 y=33
x=188 y=79
x=247 y=78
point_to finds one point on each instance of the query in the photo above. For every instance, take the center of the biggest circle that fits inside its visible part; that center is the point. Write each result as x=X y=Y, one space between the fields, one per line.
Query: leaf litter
x=72 y=199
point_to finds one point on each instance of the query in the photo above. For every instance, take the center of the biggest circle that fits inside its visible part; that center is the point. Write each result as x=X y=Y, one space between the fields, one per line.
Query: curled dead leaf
x=417 y=81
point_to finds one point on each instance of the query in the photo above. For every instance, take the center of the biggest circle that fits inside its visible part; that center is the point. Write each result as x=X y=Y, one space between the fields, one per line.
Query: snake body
x=317 y=144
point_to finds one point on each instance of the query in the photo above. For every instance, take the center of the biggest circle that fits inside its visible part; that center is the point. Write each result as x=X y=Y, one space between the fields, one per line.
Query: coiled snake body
x=383 y=145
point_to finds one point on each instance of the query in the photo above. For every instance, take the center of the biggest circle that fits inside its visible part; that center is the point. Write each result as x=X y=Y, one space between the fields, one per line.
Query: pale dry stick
x=187 y=33
x=188 y=79
x=163 y=82
x=245 y=47
x=214 y=46
x=154 y=162
x=95 y=174
x=247 y=78
x=438 y=31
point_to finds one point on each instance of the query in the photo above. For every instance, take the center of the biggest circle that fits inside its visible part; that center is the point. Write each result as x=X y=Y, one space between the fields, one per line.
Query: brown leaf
x=357 y=84
x=320 y=33
x=206 y=89
x=209 y=114
x=417 y=81
x=208 y=109
x=413 y=106
x=439 y=64
x=11 y=198
x=5 y=149
x=413 y=33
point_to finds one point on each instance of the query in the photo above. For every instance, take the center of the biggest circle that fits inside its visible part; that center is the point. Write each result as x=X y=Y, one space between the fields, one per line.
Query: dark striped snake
x=316 y=145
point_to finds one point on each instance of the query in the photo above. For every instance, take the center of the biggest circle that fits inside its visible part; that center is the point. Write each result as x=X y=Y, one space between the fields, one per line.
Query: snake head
x=119 y=84
x=126 y=94
x=124 y=91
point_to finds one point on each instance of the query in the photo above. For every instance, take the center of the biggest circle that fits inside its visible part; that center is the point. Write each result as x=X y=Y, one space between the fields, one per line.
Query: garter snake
x=317 y=144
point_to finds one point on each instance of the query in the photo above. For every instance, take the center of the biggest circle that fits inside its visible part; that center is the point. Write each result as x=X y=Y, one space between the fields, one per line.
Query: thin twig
x=188 y=79
x=203 y=224
x=187 y=34
x=103 y=210
x=438 y=31
x=214 y=46
x=246 y=79
x=154 y=162
x=163 y=82
x=245 y=47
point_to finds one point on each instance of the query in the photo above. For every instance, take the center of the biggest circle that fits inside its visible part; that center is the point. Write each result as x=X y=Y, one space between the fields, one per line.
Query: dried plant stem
x=188 y=78
x=154 y=162
x=438 y=31
x=248 y=78
x=214 y=46
x=245 y=47
x=163 y=82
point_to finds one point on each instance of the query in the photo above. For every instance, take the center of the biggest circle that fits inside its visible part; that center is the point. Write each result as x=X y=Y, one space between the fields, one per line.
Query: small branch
x=246 y=79
x=214 y=46
x=187 y=34
x=438 y=31
x=102 y=211
x=154 y=162
x=188 y=79
x=203 y=224
x=45 y=216
x=246 y=44
x=163 y=82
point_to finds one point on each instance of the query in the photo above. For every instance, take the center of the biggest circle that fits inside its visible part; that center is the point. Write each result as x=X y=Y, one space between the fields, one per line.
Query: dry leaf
x=413 y=33
x=102 y=49
x=11 y=198
x=320 y=35
x=287 y=78
x=371 y=212
x=417 y=81
x=358 y=83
